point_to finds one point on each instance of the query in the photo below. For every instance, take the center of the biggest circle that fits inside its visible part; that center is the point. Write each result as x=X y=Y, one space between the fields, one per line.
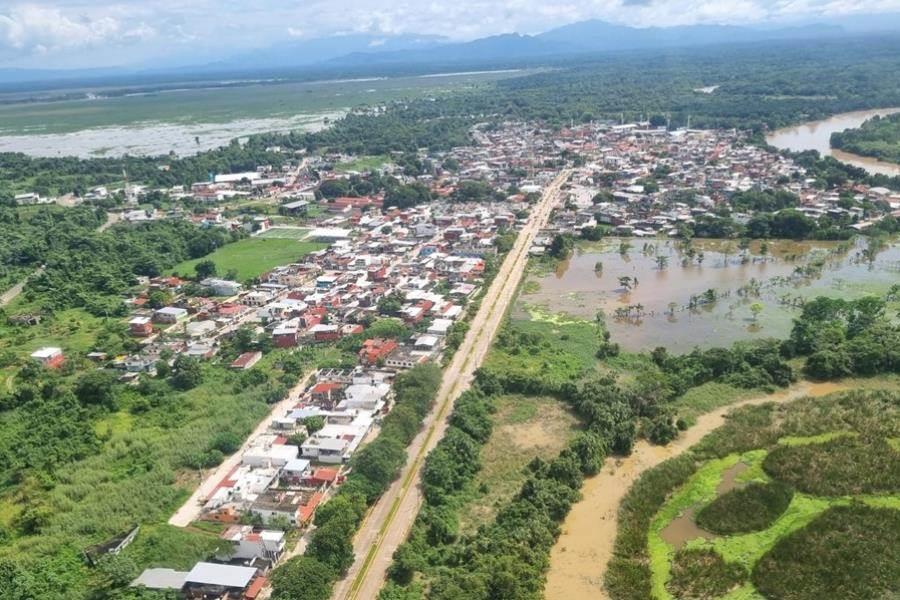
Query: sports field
x=253 y=256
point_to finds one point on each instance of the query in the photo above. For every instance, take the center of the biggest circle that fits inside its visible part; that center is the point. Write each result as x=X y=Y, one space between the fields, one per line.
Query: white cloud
x=139 y=30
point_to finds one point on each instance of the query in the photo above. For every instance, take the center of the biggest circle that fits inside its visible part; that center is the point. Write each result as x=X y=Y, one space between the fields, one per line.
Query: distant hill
x=599 y=36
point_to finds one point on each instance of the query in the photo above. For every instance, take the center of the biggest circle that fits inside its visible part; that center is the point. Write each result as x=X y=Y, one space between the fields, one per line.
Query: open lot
x=253 y=256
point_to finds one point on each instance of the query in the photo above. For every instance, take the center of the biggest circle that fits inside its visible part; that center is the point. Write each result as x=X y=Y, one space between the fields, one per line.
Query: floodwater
x=683 y=528
x=152 y=138
x=578 y=559
x=816 y=135
x=659 y=310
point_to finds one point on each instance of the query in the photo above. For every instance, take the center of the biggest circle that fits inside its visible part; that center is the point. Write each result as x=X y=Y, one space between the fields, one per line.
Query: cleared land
x=525 y=427
x=252 y=257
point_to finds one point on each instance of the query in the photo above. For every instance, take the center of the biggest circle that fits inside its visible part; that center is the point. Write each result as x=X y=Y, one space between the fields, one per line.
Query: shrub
x=839 y=467
x=752 y=508
x=702 y=574
x=848 y=552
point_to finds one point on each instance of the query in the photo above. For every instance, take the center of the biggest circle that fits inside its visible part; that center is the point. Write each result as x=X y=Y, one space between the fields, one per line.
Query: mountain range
x=362 y=53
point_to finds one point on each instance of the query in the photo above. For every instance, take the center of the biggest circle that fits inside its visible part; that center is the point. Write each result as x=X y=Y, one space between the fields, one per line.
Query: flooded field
x=155 y=138
x=659 y=293
x=816 y=135
x=107 y=122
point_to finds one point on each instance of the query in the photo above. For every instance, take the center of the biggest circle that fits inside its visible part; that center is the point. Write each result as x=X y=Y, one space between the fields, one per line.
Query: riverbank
x=816 y=135
x=580 y=556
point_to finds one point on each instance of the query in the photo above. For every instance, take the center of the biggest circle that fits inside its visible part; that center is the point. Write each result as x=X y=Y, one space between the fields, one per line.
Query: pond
x=816 y=135
x=660 y=293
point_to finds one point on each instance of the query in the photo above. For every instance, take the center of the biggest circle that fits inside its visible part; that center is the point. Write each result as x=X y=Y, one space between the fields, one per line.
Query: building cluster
x=646 y=182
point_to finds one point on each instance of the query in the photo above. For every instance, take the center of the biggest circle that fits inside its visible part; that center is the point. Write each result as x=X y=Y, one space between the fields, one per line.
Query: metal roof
x=223 y=575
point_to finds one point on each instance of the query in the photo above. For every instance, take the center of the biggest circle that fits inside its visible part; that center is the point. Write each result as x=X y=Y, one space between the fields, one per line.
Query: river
x=816 y=135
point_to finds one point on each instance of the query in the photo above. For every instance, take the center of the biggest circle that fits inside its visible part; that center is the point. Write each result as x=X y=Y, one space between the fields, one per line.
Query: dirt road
x=388 y=522
x=578 y=559
x=190 y=510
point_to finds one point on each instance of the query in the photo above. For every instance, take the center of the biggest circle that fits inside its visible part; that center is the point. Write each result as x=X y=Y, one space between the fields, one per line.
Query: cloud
x=33 y=28
x=47 y=32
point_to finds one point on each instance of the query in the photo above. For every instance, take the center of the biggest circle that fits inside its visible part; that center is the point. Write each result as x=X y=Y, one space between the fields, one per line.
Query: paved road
x=190 y=510
x=388 y=522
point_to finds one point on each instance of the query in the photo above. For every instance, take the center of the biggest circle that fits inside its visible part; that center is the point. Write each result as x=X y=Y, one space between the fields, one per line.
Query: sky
x=146 y=33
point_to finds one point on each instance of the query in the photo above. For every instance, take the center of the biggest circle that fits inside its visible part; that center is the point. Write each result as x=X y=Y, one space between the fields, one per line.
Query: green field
x=252 y=256
x=363 y=163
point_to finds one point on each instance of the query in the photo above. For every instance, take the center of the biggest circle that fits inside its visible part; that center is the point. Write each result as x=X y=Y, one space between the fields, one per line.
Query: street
x=388 y=522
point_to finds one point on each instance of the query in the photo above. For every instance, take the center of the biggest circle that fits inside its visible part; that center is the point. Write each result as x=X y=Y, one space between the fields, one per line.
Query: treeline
x=846 y=337
x=330 y=551
x=760 y=87
x=27 y=242
x=879 y=137
x=508 y=557
x=92 y=270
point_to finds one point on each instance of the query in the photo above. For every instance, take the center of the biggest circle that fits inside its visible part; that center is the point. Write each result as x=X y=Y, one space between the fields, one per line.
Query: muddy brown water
x=816 y=135
x=684 y=527
x=666 y=318
x=578 y=559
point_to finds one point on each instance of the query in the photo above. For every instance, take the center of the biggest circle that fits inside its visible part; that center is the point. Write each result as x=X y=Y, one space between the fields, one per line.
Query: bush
x=844 y=466
x=752 y=508
x=848 y=552
x=303 y=578
x=703 y=574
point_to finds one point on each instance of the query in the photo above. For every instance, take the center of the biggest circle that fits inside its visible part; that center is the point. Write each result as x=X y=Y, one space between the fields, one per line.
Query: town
x=395 y=286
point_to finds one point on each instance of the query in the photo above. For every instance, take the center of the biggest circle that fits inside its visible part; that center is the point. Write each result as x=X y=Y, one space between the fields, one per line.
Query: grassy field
x=525 y=427
x=252 y=256
x=284 y=233
x=363 y=163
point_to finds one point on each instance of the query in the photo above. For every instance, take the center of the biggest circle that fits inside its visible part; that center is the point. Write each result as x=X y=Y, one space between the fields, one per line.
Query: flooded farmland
x=659 y=293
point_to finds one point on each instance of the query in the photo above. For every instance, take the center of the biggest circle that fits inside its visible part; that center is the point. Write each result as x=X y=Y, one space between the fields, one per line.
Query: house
x=269 y=454
x=212 y=580
x=250 y=543
x=375 y=350
x=295 y=471
x=325 y=333
x=50 y=357
x=169 y=315
x=140 y=326
x=286 y=334
x=326 y=450
x=246 y=361
x=405 y=358
x=295 y=506
x=222 y=287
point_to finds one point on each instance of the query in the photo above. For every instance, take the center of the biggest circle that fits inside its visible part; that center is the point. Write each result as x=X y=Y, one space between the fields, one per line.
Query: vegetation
x=879 y=137
x=646 y=566
x=742 y=510
x=702 y=574
x=848 y=552
x=847 y=465
x=250 y=258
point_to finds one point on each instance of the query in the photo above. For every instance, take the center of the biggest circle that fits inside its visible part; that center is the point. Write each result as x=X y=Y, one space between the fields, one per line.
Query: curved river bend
x=816 y=135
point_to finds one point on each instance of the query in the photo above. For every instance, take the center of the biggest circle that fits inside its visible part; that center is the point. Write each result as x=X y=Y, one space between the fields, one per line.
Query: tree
x=303 y=578
x=756 y=308
x=662 y=262
x=204 y=269
x=314 y=423
x=97 y=388
x=188 y=373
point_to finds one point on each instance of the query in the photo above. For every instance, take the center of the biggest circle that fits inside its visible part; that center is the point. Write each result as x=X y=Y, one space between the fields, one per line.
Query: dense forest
x=879 y=137
x=759 y=88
